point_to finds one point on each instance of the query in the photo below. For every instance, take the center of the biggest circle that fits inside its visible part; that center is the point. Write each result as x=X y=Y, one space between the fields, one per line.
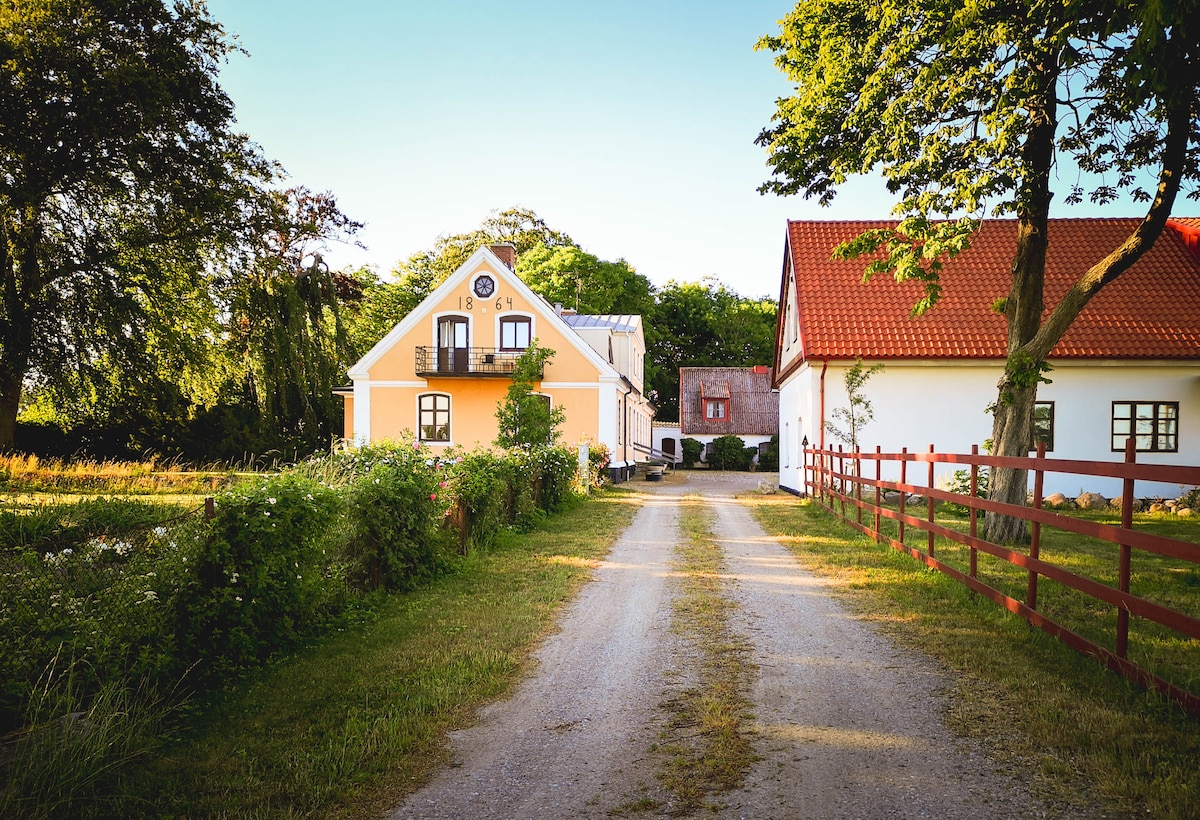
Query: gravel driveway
x=847 y=724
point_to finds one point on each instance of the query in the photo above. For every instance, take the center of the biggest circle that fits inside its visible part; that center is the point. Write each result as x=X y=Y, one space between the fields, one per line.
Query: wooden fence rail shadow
x=835 y=479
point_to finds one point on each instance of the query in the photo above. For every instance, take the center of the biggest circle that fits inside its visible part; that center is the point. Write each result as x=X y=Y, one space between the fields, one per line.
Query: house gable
x=722 y=401
x=434 y=307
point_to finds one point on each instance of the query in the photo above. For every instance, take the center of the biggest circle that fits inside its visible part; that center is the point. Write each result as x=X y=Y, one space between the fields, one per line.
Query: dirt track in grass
x=847 y=724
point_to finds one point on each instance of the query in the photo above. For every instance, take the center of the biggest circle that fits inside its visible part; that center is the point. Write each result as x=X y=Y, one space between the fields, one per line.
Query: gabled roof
x=483 y=255
x=753 y=406
x=1152 y=311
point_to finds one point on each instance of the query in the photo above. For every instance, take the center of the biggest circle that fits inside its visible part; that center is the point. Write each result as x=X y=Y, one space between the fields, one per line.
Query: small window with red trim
x=716 y=409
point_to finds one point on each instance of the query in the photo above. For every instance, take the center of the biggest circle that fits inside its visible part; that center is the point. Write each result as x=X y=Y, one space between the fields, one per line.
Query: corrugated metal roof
x=753 y=406
x=1150 y=311
x=618 y=322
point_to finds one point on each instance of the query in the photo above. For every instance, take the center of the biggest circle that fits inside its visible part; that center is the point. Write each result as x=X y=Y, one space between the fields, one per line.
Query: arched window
x=433 y=422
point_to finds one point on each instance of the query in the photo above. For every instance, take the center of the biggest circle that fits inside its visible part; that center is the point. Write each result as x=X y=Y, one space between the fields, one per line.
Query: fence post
x=858 y=482
x=1035 y=529
x=929 y=504
x=841 y=479
x=903 y=494
x=878 y=491
x=210 y=509
x=1126 y=523
x=974 y=512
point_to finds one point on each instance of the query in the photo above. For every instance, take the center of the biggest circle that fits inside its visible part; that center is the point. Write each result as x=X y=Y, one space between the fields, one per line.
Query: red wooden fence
x=836 y=477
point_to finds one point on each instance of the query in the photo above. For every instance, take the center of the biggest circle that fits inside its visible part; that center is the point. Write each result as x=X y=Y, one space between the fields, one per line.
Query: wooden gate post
x=1126 y=523
x=1035 y=529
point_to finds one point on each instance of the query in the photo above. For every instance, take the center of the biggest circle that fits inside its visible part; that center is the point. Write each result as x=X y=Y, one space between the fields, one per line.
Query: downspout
x=821 y=434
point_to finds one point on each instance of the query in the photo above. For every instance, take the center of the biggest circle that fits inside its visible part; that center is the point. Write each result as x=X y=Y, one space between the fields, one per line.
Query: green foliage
x=262 y=577
x=960 y=484
x=703 y=324
x=527 y=420
x=572 y=277
x=395 y=517
x=425 y=270
x=768 y=459
x=860 y=412
x=730 y=453
x=690 y=451
x=139 y=137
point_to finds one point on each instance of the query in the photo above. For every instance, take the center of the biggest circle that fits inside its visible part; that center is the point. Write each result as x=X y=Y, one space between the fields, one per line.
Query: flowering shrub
x=262 y=576
x=481 y=491
x=396 y=540
x=134 y=592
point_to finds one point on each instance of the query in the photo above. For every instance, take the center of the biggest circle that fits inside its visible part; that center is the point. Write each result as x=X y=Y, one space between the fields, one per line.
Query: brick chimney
x=507 y=253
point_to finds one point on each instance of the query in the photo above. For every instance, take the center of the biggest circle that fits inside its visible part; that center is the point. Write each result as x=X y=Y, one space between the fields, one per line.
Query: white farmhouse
x=1129 y=364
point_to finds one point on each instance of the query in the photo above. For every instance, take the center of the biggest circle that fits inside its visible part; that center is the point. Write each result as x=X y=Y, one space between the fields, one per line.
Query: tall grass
x=30 y=474
x=79 y=744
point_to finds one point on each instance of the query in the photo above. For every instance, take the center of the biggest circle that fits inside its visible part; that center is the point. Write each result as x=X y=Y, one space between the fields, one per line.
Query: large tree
x=703 y=324
x=282 y=318
x=425 y=270
x=581 y=281
x=119 y=170
x=976 y=109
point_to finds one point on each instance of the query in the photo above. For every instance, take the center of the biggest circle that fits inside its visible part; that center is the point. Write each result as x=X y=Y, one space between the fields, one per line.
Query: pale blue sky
x=628 y=124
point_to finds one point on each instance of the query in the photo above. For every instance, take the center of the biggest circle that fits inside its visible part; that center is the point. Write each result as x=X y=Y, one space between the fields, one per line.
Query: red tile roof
x=1151 y=311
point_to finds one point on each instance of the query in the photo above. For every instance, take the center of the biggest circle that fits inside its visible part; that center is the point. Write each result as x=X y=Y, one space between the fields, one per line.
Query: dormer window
x=714 y=398
x=716 y=409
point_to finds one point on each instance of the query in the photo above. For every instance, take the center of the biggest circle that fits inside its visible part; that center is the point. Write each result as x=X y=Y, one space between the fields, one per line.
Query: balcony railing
x=466 y=361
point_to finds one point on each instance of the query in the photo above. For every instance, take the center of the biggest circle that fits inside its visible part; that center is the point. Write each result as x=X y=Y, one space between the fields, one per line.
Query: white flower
x=267 y=513
x=237 y=598
x=151 y=595
x=160 y=531
x=270 y=500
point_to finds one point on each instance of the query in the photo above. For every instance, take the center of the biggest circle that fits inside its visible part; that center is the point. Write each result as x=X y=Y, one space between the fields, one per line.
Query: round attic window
x=485 y=286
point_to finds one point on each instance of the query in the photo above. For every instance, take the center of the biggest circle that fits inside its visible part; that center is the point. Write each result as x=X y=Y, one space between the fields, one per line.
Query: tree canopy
x=696 y=324
x=979 y=109
x=120 y=172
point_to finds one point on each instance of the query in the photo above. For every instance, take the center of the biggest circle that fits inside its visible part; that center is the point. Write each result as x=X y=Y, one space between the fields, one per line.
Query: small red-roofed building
x=1129 y=364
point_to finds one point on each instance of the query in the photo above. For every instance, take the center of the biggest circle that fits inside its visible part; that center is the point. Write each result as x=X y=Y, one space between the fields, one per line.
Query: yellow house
x=441 y=373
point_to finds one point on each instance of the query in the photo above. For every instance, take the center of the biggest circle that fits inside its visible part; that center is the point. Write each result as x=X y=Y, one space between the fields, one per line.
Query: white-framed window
x=516 y=332
x=716 y=409
x=433 y=417
x=1154 y=426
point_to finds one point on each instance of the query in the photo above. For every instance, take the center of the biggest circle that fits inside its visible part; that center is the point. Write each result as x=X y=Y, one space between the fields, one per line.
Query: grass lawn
x=1054 y=716
x=356 y=722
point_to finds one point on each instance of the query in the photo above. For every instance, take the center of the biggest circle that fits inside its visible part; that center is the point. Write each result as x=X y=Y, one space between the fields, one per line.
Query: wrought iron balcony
x=466 y=361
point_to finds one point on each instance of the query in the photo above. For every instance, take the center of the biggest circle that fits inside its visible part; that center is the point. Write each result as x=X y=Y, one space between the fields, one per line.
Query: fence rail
x=835 y=478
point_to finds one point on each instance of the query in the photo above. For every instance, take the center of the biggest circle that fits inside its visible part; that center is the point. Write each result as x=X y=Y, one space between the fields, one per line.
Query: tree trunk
x=1012 y=435
x=1012 y=425
x=10 y=401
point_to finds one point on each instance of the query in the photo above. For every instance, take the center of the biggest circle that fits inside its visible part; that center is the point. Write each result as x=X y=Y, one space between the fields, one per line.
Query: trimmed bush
x=730 y=453
x=690 y=451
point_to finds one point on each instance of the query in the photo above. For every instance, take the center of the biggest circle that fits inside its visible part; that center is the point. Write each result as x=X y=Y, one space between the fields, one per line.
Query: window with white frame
x=1154 y=426
x=433 y=410
x=716 y=409
x=515 y=332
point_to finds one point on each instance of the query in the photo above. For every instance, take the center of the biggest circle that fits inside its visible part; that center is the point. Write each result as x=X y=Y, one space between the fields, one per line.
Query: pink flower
x=442 y=484
x=433 y=496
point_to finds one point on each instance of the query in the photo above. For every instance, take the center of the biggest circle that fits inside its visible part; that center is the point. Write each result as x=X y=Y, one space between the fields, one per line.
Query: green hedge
x=137 y=593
